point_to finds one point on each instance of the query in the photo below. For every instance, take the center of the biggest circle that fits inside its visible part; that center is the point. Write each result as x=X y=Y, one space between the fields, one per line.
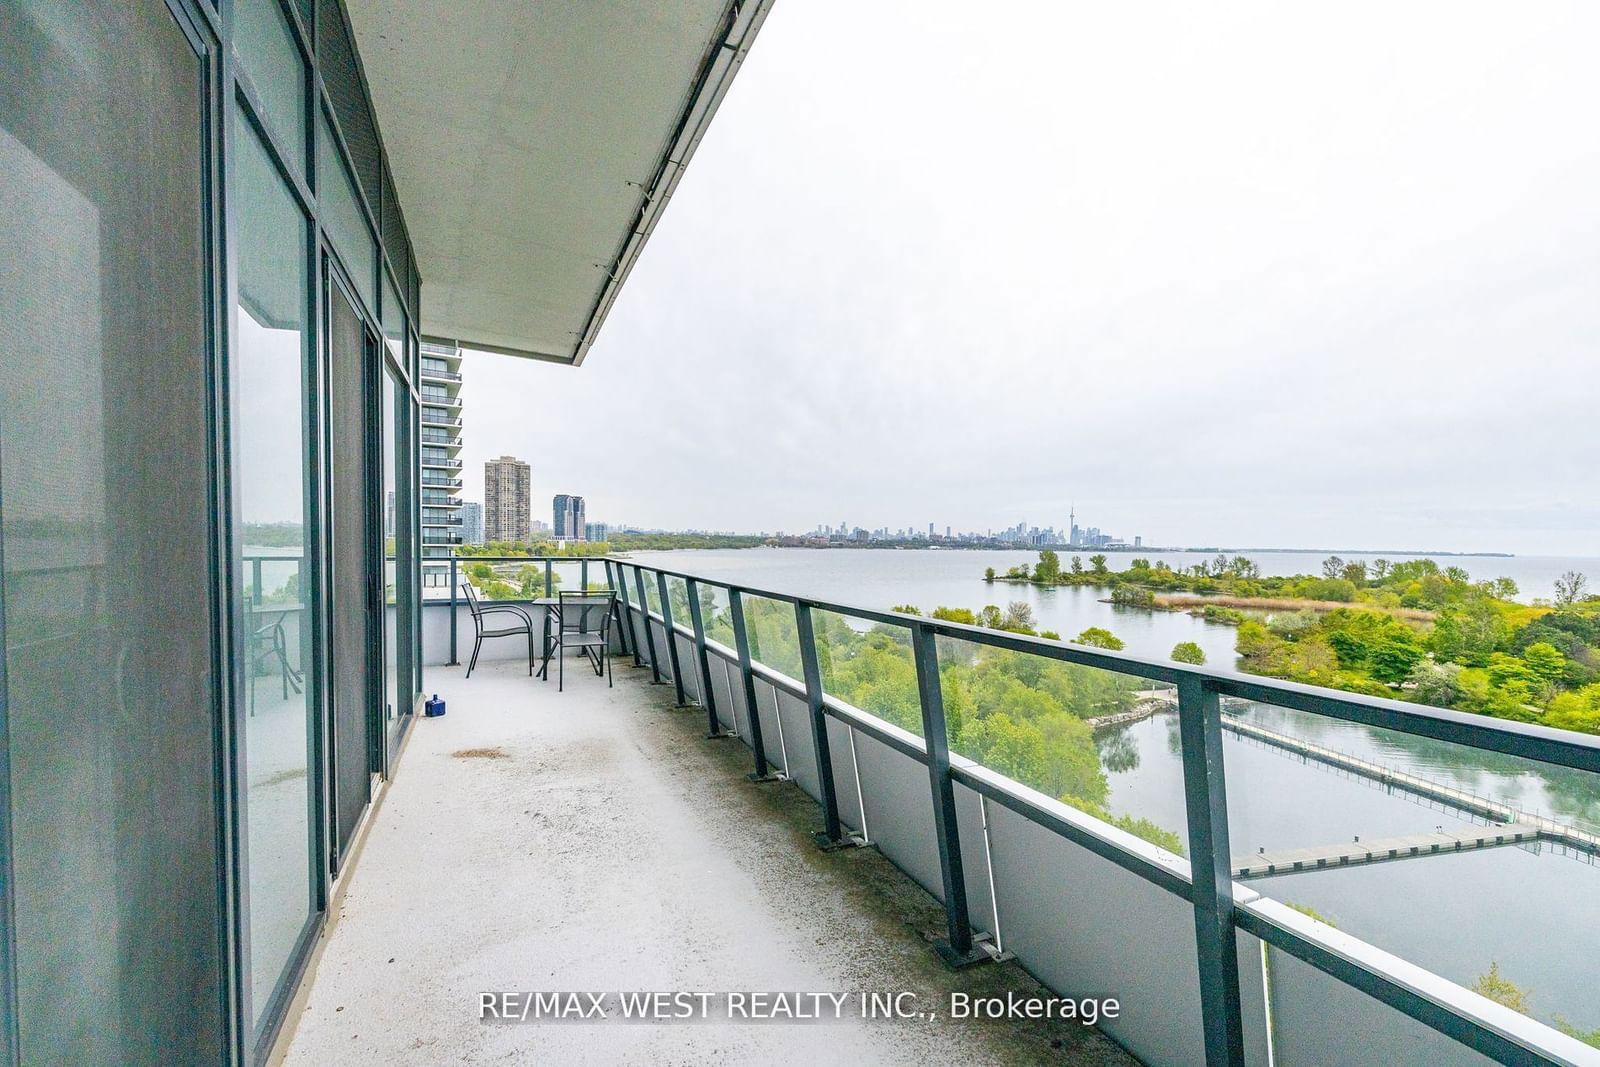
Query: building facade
x=471 y=523
x=200 y=208
x=567 y=521
x=210 y=614
x=506 y=506
x=440 y=376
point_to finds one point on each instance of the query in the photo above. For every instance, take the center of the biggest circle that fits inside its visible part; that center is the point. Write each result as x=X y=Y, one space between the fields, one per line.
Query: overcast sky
x=1247 y=274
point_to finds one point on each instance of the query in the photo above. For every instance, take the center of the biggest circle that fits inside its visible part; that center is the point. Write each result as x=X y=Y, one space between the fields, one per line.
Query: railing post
x=624 y=624
x=627 y=613
x=644 y=613
x=255 y=580
x=741 y=640
x=583 y=575
x=672 y=637
x=703 y=660
x=958 y=951
x=831 y=836
x=549 y=579
x=453 y=591
x=1205 y=795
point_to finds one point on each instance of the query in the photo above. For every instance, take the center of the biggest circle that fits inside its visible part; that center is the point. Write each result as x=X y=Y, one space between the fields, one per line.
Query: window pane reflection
x=269 y=354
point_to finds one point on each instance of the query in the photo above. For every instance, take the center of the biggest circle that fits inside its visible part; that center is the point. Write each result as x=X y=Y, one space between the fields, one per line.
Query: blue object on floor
x=433 y=708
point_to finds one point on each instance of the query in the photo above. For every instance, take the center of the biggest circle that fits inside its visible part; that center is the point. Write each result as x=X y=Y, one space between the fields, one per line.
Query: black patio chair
x=480 y=610
x=582 y=621
x=267 y=646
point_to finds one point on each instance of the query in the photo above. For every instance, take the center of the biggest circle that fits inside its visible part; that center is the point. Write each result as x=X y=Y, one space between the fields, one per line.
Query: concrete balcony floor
x=595 y=840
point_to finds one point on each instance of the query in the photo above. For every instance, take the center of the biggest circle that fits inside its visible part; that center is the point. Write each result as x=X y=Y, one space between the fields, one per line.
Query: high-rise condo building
x=472 y=523
x=440 y=387
x=506 y=515
x=567 y=521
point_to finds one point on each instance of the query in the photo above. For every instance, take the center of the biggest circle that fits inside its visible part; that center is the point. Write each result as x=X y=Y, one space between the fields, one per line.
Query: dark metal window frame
x=209 y=28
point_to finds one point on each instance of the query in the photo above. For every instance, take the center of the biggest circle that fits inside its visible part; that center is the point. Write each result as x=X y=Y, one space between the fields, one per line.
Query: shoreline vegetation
x=1407 y=630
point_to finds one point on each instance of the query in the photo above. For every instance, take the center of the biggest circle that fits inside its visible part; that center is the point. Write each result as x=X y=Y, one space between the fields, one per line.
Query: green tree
x=1546 y=661
x=1500 y=989
x=1436 y=684
x=1395 y=656
x=1048 y=569
x=1570 y=587
x=1333 y=567
x=988 y=574
x=1099 y=637
x=1018 y=617
x=1189 y=652
x=1098 y=562
x=1468 y=632
x=961 y=615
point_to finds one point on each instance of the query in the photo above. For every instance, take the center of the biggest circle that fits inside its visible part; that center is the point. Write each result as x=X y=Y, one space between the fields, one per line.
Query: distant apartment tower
x=506 y=512
x=440 y=380
x=567 y=521
x=472 y=523
x=596 y=531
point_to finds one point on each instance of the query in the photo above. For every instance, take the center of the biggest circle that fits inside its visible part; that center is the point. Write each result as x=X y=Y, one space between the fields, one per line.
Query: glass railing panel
x=1097 y=740
x=774 y=642
x=718 y=617
x=1478 y=866
x=869 y=666
x=678 y=599
x=567 y=576
x=504 y=579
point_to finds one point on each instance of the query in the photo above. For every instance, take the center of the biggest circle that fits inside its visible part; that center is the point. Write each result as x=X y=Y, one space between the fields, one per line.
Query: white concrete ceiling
x=533 y=144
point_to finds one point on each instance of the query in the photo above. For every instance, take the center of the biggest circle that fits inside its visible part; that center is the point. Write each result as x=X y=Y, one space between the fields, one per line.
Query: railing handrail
x=1205 y=880
x=1530 y=740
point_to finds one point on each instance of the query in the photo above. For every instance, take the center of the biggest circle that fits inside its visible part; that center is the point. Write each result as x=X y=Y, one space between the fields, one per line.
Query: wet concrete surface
x=594 y=840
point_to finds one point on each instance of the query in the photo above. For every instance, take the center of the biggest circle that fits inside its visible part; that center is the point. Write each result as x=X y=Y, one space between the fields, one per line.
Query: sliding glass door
x=110 y=705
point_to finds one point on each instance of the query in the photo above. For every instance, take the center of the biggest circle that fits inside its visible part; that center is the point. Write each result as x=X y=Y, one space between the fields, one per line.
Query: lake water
x=1531 y=909
x=931 y=578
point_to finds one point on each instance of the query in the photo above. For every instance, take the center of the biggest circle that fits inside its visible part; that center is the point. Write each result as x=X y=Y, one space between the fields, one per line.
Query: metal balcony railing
x=440 y=420
x=440 y=374
x=453 y=483
x=441 y=462
x=1202 y=883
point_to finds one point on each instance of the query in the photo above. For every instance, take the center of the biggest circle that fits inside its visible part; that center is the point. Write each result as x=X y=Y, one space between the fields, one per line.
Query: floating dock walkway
x=1496 y=811
x=1511 y=826
x=1267 y=864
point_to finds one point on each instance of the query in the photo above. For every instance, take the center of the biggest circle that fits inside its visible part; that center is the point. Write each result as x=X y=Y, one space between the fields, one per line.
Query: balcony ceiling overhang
x=534 y=145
